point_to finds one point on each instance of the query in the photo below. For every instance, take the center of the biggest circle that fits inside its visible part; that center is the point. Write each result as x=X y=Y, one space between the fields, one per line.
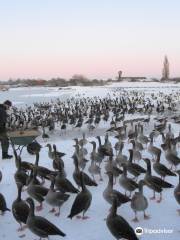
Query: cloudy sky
x=96 y=38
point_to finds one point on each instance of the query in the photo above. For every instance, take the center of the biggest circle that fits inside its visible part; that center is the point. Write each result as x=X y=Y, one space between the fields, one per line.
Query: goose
x=155 y=183
x=165 y=142
x=137 y=145
x=94 y=169
x=76 y=175
x=53 y=154
x=169 y=134
x=121 y=131
x=39 y=225
x=177 y=191
x=51 y=123
x=44 y=134
x=171 y=157
x=63 y=184
x=154 y=151
x=104 y=150
x=117 y=146
x=82 y=201
x=81 y=160
x=20 y=175
x=50 y=152
x=121 y=158
x=63 y=128
x=136 y=154
x=120 y=118
x=54 y=198
x=25 y=166
x=112 y=128
x=162 y=126
x=107 y=143
x=76 y=146
x=95 y=155
x=57 y=160
x=121 y=137
x=33 y=147
x=41 y=171
x=3 y=205
x=132 y=133
x=127 y=183
x=61 y=170
x=20 y=209
x=37 y=192
x=113 y=122
x=164 y=139
x=133 y=168
x=118 y=226
x=111 y=166
x=79 y=124
x=109 y=193
x=56 y=153
x=83 y=141
x=139 y=202
x=141 y=137
x=83 y=151
x=161 y=169
x=97 y=119
x=91 y=127
x=80 y=147
x=154 y=134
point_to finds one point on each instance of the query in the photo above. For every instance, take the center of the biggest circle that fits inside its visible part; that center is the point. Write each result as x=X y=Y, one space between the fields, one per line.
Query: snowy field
x=162 y=215
x=29 y=95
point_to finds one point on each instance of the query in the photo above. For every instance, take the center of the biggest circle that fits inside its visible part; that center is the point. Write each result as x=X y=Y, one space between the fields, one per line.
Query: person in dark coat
x=3 y=131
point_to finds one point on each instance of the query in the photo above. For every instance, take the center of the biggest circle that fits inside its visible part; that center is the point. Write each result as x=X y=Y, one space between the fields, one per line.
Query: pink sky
x=48 y=39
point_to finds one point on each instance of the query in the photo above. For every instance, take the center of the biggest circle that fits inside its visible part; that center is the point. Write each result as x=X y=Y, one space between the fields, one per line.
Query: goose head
x=49 y=146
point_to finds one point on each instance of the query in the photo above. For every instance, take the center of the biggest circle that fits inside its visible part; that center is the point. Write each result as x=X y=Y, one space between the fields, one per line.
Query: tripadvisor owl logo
x=139 y=231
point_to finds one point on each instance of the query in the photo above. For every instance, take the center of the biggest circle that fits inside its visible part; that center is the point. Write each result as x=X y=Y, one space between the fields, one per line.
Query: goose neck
x=130 y=156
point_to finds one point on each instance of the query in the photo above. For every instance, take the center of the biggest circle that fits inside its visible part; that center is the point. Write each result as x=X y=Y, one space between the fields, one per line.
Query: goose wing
x=158 y=181
x=121 y=228
x=46 y=227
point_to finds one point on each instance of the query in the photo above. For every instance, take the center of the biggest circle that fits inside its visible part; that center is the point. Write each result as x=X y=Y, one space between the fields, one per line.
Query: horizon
x=123 y=78
x=48 y=39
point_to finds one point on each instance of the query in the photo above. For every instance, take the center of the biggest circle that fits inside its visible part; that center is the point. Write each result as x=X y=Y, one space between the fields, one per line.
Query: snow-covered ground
x=163 y=215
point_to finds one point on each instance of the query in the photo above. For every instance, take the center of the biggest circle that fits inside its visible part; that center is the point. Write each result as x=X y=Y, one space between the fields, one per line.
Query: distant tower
x=119 y=76
x=165 y=71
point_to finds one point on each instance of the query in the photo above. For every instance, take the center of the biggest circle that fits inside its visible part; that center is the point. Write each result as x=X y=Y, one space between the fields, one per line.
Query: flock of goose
x=123 y=157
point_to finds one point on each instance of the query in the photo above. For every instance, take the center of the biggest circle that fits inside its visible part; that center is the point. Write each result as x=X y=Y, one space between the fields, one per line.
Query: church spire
x=165 y=71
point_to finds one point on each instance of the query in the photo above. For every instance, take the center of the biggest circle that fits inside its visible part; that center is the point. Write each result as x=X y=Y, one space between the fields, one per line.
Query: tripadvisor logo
x=139 y=231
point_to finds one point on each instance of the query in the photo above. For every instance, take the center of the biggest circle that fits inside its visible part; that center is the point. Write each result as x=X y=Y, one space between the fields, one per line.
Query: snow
x=29 y=95
x=163 y=215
